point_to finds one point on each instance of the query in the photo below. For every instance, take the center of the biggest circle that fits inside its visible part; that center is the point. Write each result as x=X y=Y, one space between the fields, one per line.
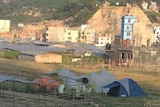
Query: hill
x=75 y=11
x=28 y=11
x=104 y=19
x=108 y=20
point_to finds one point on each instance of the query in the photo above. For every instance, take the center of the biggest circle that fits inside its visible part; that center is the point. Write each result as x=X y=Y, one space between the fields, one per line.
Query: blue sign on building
x=127 y=27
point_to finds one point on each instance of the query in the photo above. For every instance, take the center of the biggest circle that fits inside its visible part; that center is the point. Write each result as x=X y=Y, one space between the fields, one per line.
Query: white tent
x=70 y=78
x=4 y=78
x=99 y=79
x=96 y=79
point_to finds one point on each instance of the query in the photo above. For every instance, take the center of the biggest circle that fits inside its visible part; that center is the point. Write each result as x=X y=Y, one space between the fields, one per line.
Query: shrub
x=11 y=54
x=153 y=16
x=66 y=58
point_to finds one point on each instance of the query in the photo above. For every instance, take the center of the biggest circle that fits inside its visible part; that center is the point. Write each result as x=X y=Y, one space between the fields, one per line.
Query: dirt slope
x=42 y=25
x=108 y=20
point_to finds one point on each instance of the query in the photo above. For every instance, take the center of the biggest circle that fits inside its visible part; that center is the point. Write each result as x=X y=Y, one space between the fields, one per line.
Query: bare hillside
x=108 y=20
x=41 y=25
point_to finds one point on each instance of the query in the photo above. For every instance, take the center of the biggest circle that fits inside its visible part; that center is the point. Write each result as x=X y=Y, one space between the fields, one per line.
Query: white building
x=87 y=35
x=145 y=5
x=71 y=36
x=157 y=33
x=84 y=27
x=103 y=40
x=4 y=26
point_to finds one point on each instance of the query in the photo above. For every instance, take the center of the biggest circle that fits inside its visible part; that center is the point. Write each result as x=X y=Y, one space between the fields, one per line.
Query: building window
x=127 y=27
x=69 y=38
x=129 y=20
x=122 y=55
x=131 y=56
x=128 y=33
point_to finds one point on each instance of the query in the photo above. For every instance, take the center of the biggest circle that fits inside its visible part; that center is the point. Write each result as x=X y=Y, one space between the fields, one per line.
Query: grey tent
x=99 y=79
x=70 y=78
x=4 y=78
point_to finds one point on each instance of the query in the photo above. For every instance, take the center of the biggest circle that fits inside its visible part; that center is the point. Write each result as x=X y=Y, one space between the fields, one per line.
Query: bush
x=153 y=16
x=66 y=58
x=11 y=54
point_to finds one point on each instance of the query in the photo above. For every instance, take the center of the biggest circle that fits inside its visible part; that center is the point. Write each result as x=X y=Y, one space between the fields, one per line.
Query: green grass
x=122 y=102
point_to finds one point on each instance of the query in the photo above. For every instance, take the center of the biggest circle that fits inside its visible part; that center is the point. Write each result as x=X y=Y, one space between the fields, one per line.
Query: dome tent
x=125 y=88
x=96 y=80
x=70 y=78
x=99 y=79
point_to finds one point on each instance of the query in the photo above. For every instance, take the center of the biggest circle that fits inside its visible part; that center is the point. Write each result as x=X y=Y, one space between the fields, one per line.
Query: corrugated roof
x=42 y=51
x=77 y=48
x=34 y=49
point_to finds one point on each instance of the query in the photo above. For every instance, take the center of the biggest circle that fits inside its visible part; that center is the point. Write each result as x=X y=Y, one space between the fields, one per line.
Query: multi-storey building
x=127 y=30
x=87 y=35
x=53 y=34
x=103 y=40
x=71 y=36
x=61 y=34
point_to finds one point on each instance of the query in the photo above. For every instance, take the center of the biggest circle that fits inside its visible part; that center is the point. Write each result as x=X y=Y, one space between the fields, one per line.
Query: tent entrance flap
x=114 y=91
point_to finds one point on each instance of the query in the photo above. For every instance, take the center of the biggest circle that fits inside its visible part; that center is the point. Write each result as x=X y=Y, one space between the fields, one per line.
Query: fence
x=8 y=99
x=87 y=64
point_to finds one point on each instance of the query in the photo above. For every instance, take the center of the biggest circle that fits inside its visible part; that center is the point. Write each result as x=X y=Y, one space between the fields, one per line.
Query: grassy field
x=150 y=82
